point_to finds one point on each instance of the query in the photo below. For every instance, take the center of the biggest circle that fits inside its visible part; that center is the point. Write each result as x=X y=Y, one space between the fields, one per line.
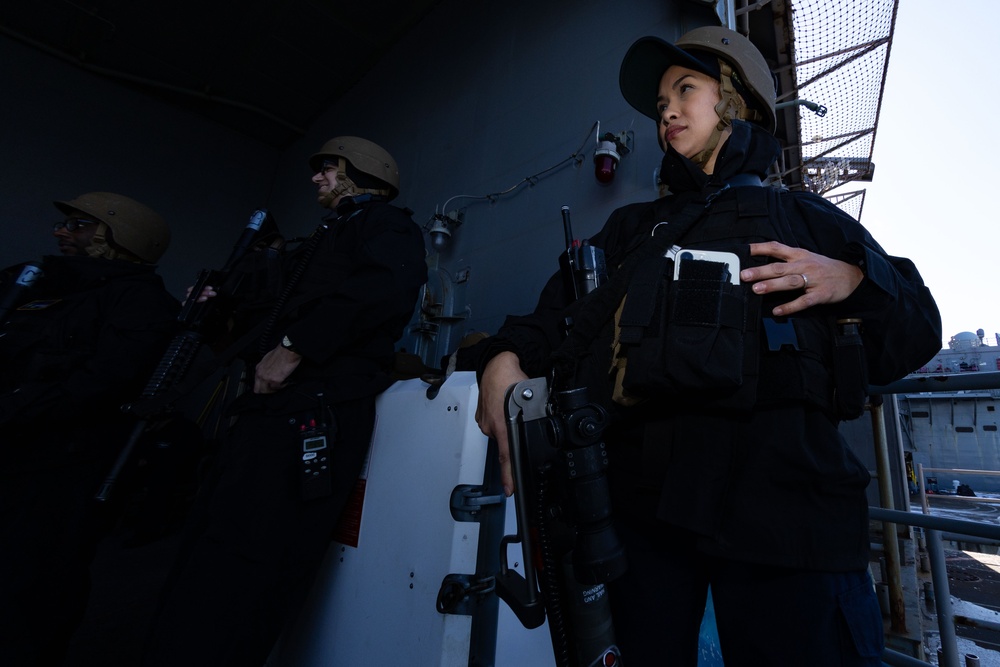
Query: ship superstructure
x=956 y=428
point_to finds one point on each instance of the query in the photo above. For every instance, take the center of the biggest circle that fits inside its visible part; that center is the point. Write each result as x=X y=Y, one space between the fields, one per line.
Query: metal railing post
x=890 y=541
x=924 y=504
x=942 y=599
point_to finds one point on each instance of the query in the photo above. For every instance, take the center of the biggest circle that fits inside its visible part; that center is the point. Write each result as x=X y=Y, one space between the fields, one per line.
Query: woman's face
x=686 y=103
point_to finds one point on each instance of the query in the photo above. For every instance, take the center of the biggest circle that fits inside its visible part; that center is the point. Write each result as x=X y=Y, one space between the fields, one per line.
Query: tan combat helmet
x=740 y=68
x=137 y=232
x=365 y=156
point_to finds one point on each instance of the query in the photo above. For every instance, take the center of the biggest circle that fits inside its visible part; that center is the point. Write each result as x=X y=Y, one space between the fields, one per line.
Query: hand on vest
x=816 y=279
x=500 y=373
x=273 y=370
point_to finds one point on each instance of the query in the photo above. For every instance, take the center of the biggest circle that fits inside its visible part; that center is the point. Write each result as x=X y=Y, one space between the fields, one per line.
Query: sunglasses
x=72 y=224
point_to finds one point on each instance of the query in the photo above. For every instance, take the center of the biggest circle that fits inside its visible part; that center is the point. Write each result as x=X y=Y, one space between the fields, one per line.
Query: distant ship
x=956 y=429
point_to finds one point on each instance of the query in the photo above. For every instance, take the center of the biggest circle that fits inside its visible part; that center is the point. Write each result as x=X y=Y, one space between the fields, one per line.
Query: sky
x=935 y=196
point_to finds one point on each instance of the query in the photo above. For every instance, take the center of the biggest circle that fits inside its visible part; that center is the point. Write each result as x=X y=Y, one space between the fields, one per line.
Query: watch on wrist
x=286 y=343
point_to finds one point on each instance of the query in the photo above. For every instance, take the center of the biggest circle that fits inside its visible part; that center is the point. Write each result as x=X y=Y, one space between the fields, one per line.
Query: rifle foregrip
x=193 y=311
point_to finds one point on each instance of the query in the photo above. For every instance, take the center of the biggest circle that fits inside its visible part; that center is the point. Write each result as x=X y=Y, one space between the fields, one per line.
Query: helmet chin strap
x=100 y=248
x=99 y=243
x=731 y=105
x=347 y=187
x=702 y=158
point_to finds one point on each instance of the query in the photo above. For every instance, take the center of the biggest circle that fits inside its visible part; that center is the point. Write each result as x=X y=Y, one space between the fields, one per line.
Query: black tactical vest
x=698 y=340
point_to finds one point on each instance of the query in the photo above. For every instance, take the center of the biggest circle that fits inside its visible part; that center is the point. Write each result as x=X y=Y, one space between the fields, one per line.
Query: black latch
x=468 y=502
x=459 y=591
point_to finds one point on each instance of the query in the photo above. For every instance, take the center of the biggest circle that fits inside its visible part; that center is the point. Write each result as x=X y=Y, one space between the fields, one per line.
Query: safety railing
x=932 y=526
x=925 y=494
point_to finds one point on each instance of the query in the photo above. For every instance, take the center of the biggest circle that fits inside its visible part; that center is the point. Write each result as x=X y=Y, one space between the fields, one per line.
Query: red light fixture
x=607 y=155
x=606 y=159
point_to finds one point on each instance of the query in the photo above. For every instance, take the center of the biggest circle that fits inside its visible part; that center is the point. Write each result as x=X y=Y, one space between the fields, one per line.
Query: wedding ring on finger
x=805 y=280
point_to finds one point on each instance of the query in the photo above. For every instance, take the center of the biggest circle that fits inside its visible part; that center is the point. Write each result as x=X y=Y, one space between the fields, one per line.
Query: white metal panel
x=375 y=604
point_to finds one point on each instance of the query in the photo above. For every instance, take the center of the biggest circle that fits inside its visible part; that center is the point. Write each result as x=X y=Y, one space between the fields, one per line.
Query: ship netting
x=841 y=52
x=850 y=202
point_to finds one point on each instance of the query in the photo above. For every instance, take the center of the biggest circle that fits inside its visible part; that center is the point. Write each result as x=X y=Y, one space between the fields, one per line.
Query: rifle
x=196 y=320
x=561 y=497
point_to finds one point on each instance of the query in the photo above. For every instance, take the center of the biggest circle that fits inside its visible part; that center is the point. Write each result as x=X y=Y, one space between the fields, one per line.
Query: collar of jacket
x=81 y=272
x=750 y=150
x=349 y=205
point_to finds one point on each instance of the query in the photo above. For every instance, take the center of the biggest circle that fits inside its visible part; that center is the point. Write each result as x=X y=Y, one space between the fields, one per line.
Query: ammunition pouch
x=816 y=361
x=701 y=340
x=850 y=370
x=682 y=338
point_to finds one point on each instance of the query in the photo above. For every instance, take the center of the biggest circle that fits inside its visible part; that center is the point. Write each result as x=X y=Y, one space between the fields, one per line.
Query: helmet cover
x=649 y=57
x=366 y=157
x=135 y=228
